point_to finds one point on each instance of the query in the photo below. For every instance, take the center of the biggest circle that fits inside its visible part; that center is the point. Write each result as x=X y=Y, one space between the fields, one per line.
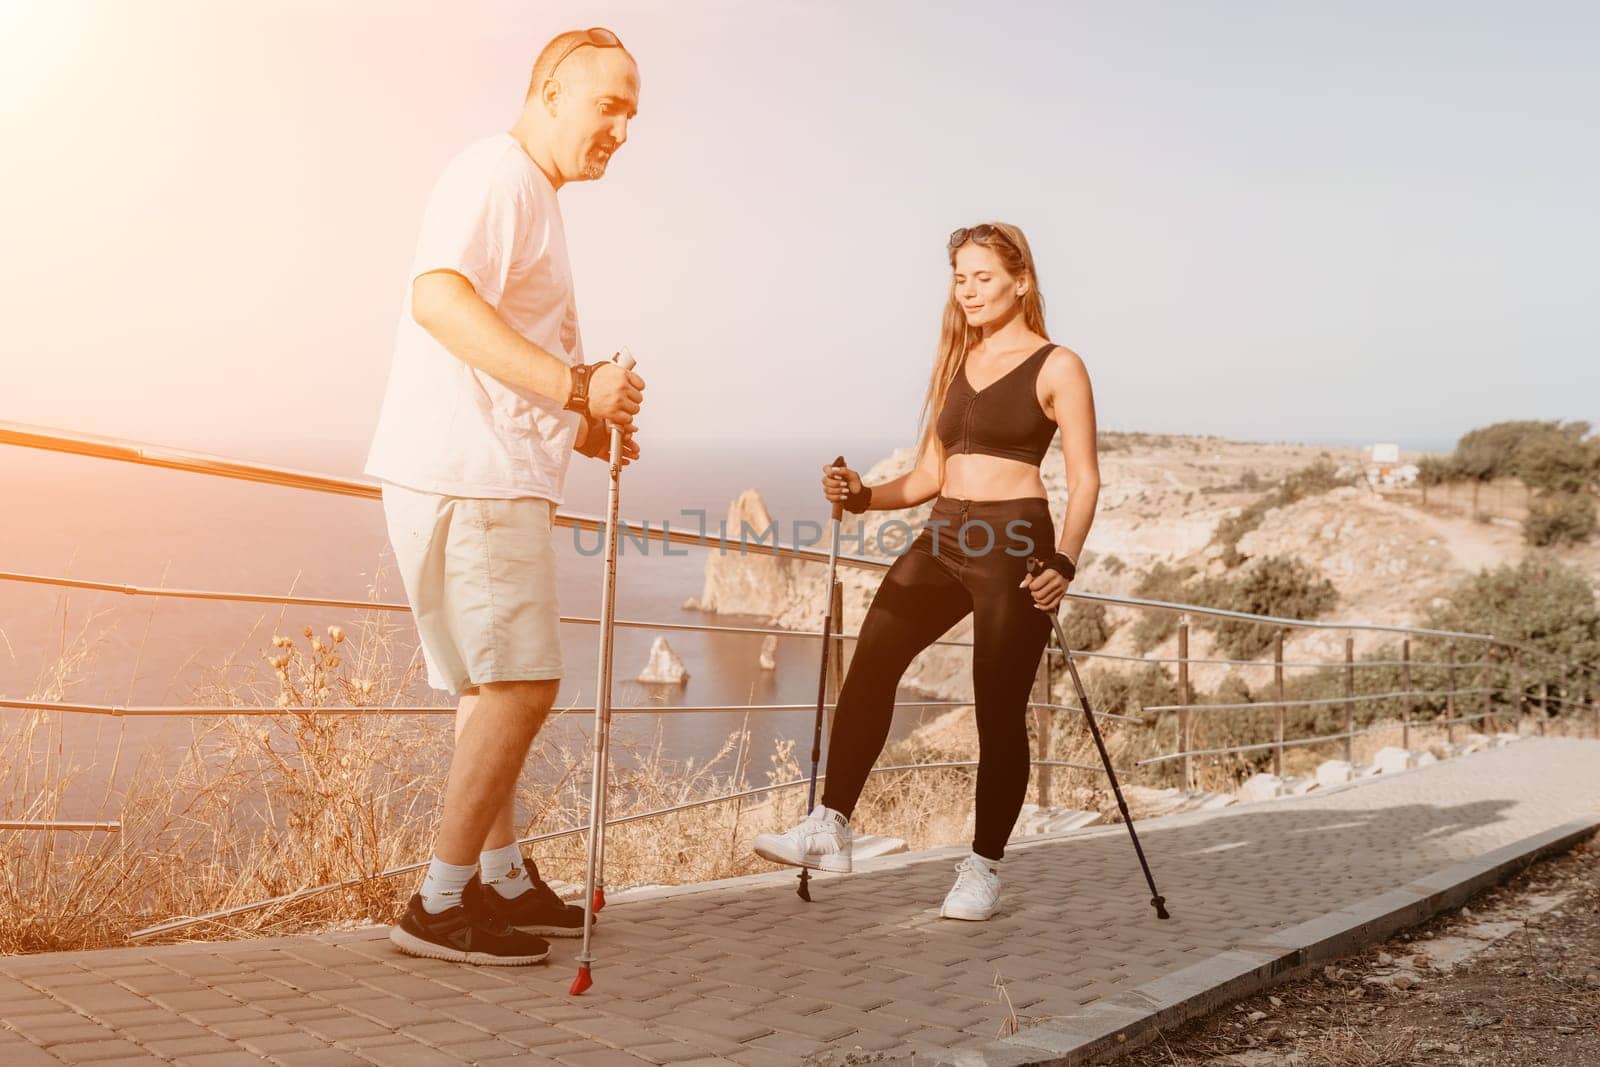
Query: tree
x=1556 y=458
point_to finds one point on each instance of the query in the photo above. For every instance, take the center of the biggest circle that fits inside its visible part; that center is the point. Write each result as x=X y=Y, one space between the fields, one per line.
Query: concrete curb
x=1106 y=1029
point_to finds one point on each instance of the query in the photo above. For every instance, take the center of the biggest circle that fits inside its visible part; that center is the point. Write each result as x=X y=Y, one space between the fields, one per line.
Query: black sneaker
x=537 y=910
x=466 y=933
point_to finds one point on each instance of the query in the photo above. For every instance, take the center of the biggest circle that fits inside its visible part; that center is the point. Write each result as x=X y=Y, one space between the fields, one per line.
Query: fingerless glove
x=1062 y=564
x=858 y=501
x=596 y=439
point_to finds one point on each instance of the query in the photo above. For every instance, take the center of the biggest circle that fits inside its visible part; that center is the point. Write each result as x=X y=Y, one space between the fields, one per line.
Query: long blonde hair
x=956 y=338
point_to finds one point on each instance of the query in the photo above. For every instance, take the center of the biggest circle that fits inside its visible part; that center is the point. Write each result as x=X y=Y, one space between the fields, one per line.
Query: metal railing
x=1187 y=710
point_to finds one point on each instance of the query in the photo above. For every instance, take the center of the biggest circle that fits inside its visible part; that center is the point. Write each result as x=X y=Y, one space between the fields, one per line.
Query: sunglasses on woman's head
x=974 y=233
x=594 y=36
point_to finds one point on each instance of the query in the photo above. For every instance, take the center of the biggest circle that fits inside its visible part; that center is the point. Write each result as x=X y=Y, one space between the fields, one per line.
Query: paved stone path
x=744 y=972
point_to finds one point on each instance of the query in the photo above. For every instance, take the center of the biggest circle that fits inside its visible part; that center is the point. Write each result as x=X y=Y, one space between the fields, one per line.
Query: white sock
x=992 y=866
x=442 y=887
x=503 y=869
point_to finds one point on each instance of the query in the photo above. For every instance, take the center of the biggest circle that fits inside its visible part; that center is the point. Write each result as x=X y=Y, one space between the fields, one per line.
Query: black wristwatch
x=858 y=501
x=579 y=400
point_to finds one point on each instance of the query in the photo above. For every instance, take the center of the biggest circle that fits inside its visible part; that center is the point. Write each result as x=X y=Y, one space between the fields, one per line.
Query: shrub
x=1087 y=627
x=1160 y=582
x=1122 y=692
x=1539 y=602
x=1556 y=518
x=1277 y=585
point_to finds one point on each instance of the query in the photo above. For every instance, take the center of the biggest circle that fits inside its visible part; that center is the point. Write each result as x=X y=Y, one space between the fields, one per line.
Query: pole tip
x=1160 y=904
x=599 y=898
x=803 y=891
x=582 y=982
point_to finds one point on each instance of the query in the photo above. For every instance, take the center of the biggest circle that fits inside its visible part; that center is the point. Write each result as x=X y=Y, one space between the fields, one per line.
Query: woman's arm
x=909 y=490
x=1072 y=400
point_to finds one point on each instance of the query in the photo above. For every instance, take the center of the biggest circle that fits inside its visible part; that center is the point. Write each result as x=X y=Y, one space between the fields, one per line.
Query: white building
x=1386 y=468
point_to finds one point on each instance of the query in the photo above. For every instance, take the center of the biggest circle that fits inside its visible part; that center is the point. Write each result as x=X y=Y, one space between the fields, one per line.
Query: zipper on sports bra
x=966 y=424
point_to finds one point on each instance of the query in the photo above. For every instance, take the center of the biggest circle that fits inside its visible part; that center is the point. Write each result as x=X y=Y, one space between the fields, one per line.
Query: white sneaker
x=820 y=841
x=976 y=894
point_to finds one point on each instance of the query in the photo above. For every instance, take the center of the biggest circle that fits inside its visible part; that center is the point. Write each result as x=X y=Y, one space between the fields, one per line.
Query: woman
x=998 y=393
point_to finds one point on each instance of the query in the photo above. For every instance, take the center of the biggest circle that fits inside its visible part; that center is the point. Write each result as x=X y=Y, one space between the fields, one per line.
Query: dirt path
x=1511 y=979
x=1473 y=545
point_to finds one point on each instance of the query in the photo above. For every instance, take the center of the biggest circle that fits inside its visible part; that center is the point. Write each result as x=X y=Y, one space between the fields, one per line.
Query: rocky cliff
x=1160 y=501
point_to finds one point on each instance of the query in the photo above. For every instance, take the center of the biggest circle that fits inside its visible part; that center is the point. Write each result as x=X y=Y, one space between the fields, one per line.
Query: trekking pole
x=804 y=889
x=593 y=888
x=1157 y=901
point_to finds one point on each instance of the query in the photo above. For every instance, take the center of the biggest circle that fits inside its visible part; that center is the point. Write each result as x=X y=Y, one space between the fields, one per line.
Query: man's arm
x=445 y=304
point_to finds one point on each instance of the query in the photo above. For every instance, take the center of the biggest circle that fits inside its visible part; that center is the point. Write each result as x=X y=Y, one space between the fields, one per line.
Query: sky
x=1273 y=221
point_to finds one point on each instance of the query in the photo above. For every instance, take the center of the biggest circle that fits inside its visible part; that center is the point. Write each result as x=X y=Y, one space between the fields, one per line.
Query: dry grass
x=253 y=807
x=261 y=806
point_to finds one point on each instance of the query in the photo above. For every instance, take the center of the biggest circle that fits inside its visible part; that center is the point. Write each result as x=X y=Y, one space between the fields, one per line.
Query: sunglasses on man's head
x=974 y=233
x=594 y=36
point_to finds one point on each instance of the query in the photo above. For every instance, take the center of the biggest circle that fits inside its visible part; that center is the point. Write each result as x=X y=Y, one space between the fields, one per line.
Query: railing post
x=1349 y=698
x=1450 y=692
x=1405 y=683
x=1488 y=704
x=1184 y=698
x=1565 y=700
x=1277 y=681
x=1044 y=718
x=1594 y=706
x=1544 y=705
x=1516 y=689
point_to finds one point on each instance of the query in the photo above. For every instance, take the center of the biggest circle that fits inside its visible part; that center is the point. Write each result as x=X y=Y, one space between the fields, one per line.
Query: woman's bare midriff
x=978 y=477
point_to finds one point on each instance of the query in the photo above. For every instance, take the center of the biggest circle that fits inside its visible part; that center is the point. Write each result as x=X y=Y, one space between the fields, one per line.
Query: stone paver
x=745 y=972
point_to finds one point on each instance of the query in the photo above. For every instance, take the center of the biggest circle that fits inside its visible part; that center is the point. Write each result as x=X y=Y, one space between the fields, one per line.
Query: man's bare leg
x=440 y=921
x=491 y=746
x=503 y=830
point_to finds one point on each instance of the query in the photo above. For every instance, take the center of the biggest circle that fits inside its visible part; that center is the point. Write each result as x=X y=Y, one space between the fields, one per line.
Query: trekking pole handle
x=626 y=360
x=838 y=505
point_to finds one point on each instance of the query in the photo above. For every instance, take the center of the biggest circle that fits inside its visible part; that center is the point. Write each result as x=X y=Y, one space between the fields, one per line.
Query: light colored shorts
x=480 y=576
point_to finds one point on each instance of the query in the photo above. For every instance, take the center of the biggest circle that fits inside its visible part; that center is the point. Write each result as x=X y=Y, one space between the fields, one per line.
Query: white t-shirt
x=446 y=427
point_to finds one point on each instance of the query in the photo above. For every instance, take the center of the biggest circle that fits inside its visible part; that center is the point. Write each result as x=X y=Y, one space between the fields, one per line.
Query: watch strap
x=579 y=400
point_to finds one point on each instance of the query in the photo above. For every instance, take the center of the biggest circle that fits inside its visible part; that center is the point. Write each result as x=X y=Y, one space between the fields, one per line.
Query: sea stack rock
x=741 y=580
x=663 y=667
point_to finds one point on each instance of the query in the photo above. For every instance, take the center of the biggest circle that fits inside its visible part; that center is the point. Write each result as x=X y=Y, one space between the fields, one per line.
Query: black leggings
x=974 y=564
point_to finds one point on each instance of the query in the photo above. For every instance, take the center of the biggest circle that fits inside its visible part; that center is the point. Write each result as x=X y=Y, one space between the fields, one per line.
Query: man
x=488 y=397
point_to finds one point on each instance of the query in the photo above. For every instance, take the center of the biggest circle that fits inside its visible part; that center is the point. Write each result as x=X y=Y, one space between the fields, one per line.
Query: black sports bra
x=1002 y=419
